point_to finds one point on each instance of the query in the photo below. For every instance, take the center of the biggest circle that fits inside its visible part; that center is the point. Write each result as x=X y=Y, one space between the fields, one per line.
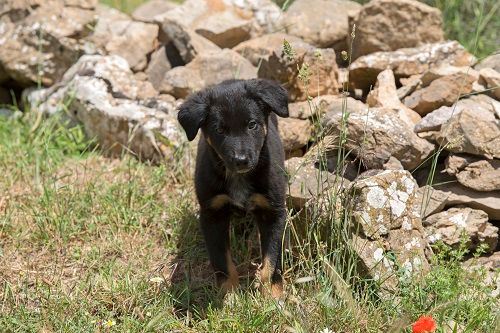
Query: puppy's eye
x=252 y=124
x=219 y=130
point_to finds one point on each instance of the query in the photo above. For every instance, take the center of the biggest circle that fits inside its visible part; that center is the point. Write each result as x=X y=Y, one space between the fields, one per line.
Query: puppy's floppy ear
x=192 y=114
x=271 y=93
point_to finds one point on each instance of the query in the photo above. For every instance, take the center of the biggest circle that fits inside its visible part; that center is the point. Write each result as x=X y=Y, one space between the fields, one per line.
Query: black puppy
x=240 y=164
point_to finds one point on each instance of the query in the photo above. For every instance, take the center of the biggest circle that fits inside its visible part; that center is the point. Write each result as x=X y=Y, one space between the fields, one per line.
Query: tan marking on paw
x=277 y=290
x=232 y=280
x=266 y=271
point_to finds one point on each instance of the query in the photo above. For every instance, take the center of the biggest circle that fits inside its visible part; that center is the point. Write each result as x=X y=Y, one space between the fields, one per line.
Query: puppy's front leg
x=215 y=227
x=271 y=226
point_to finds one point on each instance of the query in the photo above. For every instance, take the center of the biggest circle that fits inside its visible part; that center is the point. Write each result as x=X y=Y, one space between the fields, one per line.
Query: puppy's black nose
x=240 y=161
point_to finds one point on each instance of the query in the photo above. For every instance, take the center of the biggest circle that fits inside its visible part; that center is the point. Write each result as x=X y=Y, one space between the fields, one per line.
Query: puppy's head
x=233 y=117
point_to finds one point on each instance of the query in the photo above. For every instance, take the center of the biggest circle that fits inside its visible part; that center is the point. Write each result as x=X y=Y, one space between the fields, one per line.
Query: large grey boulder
x=376 y=134
x=389 y=25
x=101 y=94
x=390 y=239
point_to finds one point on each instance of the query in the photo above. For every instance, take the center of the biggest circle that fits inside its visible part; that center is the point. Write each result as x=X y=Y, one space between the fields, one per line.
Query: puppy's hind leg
x=215 y=227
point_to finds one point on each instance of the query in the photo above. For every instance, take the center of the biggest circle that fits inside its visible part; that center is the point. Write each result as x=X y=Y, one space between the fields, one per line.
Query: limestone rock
x=385 y=95
x=103 y=95
x=295 y=133
x=320 y=105
x=474 y=173
x=187 y=42
x=226 y=22
x=442 y=91
x=206 y=69
x=473 y=131
x=407 y=62
x=491 y=79
x=448 y=227
x=447 y=70
x=117 y=34
x=385 y=202
x=492 y=61
x=322 y=23
x=158 y=66
x=437 y=118
x=490 y=264
x=306 y=181
x=260 y=48
x=388 y=25
x=319 y=64
x=409 y=85
x=376 y=134
x=434 y=199
x=386 y=213
x=41 y=45
x=149 y=10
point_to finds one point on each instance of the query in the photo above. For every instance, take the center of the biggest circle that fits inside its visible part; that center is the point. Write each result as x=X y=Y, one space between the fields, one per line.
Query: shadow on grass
x=192 y=283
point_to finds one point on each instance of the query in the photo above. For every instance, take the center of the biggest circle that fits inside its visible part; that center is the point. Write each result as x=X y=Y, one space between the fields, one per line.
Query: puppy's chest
x=239 y=191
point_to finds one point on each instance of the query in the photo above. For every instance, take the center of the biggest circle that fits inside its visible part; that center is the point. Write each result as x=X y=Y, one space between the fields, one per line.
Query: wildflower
x=424 y=324
x=326 y=330
x=344 y=55
x=109 y=323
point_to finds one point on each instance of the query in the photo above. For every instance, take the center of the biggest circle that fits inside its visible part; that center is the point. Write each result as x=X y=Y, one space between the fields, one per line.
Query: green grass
x=86 y=239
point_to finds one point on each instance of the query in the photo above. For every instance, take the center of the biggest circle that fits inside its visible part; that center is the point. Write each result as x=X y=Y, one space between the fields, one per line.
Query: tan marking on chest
x=259 y=201
x=219 y=201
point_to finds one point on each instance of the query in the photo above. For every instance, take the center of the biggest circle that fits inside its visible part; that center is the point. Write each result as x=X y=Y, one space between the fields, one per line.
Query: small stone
x=385 y=95
x=449 y=226
x=149 y=10
x=490 y=78
x=474 y=173
x=306 y=181
x=442 y=91
x=158 y=66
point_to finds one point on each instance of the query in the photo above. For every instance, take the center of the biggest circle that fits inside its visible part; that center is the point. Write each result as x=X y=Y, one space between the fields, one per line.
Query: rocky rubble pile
x=410 y=106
